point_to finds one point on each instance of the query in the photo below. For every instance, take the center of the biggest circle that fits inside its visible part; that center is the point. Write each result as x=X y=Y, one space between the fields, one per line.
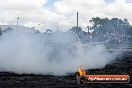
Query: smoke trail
x=24 y=51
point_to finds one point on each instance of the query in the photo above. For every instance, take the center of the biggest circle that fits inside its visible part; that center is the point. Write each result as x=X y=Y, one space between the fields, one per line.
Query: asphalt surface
x=119 y=66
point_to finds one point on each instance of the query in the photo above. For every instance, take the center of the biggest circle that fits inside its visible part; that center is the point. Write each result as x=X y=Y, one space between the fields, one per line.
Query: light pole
x=77 y=19
x=18 y=21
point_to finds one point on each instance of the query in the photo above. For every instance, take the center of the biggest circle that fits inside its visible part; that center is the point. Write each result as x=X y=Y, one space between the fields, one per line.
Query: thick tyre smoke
x=25 y=51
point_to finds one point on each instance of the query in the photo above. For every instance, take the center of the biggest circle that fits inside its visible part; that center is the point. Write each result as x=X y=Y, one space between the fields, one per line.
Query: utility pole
x=77 y=19
x=17 y=22
x=77 y=24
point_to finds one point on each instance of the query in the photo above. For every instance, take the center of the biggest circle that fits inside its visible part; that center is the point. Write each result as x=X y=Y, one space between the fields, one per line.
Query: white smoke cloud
x=23 y=51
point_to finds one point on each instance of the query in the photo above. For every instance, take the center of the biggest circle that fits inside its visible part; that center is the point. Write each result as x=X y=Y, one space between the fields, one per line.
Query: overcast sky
x=61 y=13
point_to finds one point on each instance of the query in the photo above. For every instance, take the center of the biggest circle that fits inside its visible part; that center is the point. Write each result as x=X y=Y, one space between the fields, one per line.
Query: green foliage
x=103 y=25
x=76 y=29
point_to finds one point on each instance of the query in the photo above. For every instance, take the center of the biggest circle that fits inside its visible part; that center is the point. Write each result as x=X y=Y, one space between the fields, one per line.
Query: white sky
x=62 y=13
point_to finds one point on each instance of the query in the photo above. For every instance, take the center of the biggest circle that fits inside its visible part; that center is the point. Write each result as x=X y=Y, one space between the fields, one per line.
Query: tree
x=98 y=24
x=76 y=29
x=48 y=31
x=112 y=27
x=8 y=29
x=81 y=34
x=103 y=25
